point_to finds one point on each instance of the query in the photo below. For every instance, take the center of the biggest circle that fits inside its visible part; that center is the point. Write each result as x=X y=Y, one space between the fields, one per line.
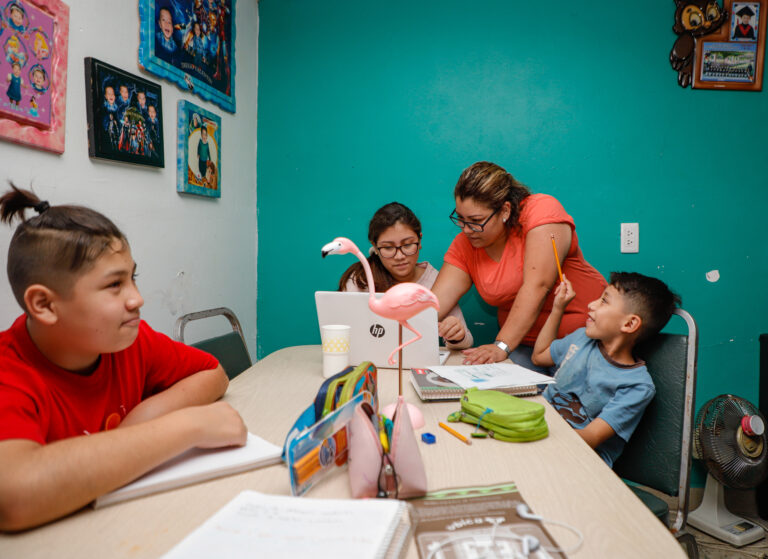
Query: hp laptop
x=373 y=338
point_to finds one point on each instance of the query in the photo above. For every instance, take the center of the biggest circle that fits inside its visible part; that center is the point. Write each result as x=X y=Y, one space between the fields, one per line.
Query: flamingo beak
x=331 y=248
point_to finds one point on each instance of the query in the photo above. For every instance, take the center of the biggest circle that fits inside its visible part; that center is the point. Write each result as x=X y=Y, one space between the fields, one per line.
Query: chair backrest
x=229 y=349
x=659 y=453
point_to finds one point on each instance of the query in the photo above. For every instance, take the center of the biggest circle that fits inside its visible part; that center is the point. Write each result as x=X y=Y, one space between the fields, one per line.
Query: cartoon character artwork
x=26 y=61
x=191 y=42
x=199 y=159
x=693 y=18
x=124 y=115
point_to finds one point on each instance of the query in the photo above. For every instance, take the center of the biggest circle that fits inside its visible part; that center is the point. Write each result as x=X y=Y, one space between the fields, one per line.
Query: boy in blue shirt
x=600 y=388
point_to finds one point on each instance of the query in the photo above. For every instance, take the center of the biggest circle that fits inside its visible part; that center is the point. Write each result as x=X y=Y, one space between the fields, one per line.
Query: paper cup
x=335 y=339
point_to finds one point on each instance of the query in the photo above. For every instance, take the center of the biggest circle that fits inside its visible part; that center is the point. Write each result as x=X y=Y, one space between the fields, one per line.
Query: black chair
x=229 y=348
x=658 y=455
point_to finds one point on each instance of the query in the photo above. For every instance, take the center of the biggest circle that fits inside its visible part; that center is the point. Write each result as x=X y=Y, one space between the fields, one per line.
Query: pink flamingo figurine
x=399 y=303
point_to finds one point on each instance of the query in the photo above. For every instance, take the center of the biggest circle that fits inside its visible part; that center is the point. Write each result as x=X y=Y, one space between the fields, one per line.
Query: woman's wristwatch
x=502 y=346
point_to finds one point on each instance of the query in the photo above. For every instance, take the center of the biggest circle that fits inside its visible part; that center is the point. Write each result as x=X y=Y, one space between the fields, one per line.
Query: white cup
x=335 y=339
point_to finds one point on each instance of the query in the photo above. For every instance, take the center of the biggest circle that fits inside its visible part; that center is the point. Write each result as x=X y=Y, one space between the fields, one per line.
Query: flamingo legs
x=391 y=359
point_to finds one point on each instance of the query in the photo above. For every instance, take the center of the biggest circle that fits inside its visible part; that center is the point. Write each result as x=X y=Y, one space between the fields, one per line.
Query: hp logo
x=377 y=330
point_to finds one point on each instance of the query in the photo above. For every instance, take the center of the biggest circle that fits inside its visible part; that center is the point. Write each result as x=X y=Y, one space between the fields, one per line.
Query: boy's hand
x=219 y=425
x=451 y=329
x=564 y=294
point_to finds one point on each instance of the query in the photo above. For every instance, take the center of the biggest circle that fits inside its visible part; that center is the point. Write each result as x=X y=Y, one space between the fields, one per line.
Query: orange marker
x=557 y=259
x=454 y=433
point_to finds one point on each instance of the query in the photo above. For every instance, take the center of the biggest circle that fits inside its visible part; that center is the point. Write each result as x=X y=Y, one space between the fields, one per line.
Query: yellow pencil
x=454 y=433
x=557 y=259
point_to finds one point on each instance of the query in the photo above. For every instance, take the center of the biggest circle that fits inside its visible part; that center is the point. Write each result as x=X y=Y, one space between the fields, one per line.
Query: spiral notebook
x=281 y=527
x=518 y=381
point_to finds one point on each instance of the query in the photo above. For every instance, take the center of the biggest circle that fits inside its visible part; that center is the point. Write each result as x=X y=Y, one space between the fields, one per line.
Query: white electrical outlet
x=630 y=237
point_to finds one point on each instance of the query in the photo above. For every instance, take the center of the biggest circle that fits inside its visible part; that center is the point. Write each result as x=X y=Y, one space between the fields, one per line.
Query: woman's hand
x=451 y=329
x=488 y=353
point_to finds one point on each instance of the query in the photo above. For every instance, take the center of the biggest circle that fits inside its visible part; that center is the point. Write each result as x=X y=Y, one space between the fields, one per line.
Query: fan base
x=713 y=518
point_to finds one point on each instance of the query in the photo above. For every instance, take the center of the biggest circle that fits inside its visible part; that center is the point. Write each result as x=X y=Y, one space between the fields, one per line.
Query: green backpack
x=505 y=417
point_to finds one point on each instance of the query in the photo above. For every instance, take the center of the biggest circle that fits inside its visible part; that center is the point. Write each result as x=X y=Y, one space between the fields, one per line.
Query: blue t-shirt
x=589 y=385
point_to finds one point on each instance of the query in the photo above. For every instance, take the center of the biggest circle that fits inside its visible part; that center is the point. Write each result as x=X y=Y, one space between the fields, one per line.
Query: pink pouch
x=374 y=473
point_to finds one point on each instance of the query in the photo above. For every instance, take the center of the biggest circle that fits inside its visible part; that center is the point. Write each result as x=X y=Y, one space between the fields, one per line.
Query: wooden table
x=560 y=477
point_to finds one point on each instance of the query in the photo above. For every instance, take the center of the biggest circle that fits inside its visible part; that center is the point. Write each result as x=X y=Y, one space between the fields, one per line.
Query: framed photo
x=732 y=58
x=191 y=43
x=125 y=115
x=34 y=36
x=199 y=151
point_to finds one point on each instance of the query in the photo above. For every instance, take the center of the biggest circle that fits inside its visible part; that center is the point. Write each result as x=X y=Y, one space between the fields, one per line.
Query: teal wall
x=362 y=103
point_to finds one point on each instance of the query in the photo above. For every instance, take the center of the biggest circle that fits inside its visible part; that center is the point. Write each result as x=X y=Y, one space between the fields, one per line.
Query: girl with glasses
x=395 y=235
x=505 y=250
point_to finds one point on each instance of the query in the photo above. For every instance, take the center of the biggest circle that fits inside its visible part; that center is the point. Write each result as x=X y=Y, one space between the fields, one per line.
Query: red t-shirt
x=498 y=282
x=43 y=402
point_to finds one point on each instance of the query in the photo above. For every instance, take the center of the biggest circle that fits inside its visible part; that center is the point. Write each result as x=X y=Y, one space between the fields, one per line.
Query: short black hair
x=647 y=297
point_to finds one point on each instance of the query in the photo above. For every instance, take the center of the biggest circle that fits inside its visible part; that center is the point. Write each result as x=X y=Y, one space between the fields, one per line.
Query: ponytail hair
x=490 y=184
x=384 y=218
x=57 y=245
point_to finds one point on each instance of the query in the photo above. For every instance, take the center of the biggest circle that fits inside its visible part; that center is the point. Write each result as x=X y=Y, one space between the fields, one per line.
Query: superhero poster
x=125 y=115
x=191 y=43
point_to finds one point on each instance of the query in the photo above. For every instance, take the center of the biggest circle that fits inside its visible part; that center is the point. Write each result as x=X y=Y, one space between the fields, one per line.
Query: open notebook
x=281 y=527
x=449 y=382
x=197 y=465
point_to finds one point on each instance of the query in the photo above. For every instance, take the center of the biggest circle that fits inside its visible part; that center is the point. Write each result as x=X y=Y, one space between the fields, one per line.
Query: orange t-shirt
x=499 y=282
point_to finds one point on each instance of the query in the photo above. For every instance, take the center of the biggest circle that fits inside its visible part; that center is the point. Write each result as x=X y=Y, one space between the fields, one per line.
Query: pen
x=557 y=259
x=454 y=433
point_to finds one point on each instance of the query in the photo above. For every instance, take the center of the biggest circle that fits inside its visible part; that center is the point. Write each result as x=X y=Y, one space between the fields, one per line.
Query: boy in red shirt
x=90 y=396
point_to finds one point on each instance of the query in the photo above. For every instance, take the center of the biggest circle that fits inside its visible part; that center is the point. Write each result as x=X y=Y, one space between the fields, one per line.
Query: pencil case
x=502 y=416
x=398 y=473
x=334 y=393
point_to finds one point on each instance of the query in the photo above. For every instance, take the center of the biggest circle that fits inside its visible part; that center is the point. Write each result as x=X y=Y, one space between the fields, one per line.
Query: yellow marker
x=454 y=433
x=557 y=259
x=384 y=441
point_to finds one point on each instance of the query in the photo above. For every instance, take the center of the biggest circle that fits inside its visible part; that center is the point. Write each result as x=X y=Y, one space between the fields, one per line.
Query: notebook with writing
x=372 y=338
x=429 y=385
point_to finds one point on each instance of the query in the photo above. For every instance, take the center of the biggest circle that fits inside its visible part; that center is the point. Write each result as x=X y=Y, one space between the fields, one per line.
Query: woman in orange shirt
x=505 y=250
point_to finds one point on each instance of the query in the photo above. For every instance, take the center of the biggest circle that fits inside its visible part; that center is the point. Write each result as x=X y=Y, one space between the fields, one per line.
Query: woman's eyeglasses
x=476 y=227
x=408 y=249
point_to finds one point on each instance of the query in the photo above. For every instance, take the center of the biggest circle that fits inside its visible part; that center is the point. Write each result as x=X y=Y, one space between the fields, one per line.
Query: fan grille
x=720 y=442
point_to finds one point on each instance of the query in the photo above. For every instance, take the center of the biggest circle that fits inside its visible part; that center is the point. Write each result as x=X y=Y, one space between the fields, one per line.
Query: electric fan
x=730 y=437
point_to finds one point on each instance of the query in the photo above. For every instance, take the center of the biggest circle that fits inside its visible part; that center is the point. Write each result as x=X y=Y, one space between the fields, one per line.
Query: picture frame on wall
x=125 y=115
x=198 y=151
x=192 y=44
x=34 y=36
x=733 y=57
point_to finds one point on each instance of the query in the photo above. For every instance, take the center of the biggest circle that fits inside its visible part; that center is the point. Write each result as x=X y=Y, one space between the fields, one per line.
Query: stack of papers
x=492 y=376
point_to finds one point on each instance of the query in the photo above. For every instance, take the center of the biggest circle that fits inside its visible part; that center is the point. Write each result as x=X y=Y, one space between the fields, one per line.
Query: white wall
x=192 y=252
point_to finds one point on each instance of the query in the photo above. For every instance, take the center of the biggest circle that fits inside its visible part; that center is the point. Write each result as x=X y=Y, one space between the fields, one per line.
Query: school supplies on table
x=279 y=527
x=317 y=442
x=384 y=461
x=455 y=433
x=433 y=384
x=492 y=376
x=197 y=465
x=483 y=521
x=502 y=416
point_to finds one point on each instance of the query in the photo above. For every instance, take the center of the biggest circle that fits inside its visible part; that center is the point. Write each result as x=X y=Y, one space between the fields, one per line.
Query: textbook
x=430 y=385
x=281 y=527
x=481 y=521
x=196 y=465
